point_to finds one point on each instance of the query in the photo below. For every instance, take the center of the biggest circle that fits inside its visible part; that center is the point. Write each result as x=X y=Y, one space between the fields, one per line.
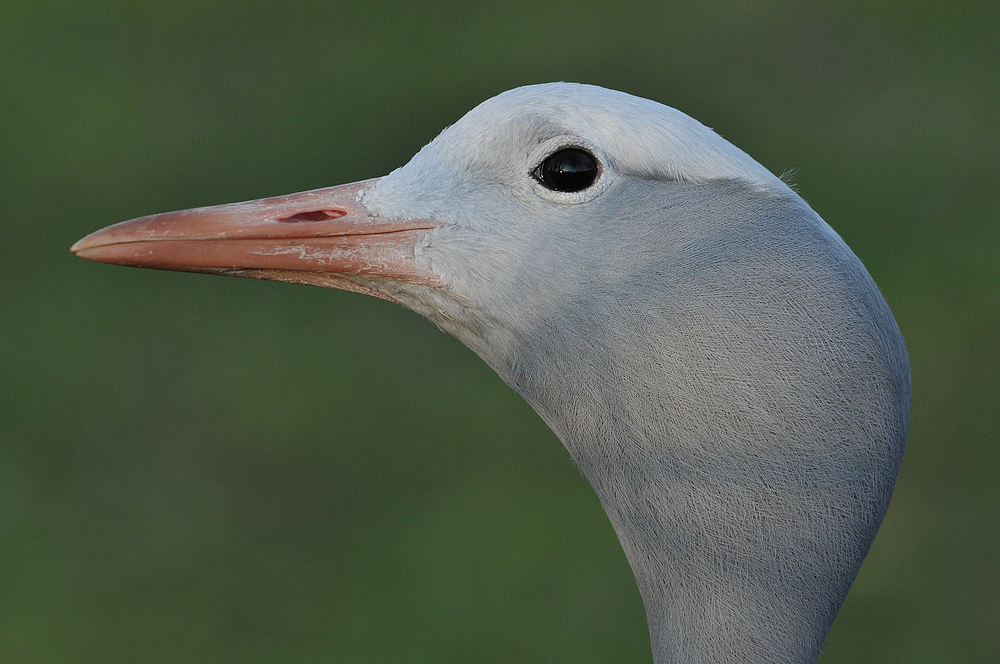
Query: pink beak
x=314 y=237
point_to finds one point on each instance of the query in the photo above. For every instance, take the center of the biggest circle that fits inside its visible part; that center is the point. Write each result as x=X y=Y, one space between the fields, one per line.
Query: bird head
x=530 y=195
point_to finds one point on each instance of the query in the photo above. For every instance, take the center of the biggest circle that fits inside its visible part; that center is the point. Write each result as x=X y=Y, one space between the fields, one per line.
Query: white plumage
x=716 y=360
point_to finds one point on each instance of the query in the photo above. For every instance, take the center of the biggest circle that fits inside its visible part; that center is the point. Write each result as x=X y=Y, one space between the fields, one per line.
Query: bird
x=718 y=363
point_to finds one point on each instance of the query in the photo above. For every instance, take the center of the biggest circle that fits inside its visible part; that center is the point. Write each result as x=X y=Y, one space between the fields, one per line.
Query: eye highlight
x=569 y=170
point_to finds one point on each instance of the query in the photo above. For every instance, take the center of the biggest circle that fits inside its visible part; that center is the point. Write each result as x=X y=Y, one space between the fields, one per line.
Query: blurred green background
x=197 y=469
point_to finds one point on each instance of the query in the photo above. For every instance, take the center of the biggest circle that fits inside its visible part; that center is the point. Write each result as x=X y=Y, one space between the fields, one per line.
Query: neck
x=743 y=436
x=730 y=568
x=743 y=548
x=733 y=565
x=735 y=390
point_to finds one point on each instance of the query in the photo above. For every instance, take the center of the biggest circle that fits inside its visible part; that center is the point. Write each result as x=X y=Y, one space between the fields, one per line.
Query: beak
x=320 y=237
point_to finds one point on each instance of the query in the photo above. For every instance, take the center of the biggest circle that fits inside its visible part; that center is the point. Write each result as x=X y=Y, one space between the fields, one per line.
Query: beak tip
x=82 y=245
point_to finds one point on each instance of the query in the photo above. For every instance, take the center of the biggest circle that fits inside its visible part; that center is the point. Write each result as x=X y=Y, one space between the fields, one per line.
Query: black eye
x=570 y=169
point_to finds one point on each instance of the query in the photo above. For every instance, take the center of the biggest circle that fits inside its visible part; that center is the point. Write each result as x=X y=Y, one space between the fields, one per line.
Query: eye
x=569 y=169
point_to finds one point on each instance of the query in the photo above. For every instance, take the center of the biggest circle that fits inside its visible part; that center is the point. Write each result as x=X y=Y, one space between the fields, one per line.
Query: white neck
x=737 y=395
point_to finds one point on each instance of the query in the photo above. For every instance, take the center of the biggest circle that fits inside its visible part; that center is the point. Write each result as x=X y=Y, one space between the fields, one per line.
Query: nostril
x=315 y=215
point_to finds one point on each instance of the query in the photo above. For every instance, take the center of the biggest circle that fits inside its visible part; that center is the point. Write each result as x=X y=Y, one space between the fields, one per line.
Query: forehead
x=639 y=136
x=524 y=117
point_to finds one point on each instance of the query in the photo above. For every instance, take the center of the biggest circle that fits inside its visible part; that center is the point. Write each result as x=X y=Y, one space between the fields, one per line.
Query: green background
x=197 y=469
